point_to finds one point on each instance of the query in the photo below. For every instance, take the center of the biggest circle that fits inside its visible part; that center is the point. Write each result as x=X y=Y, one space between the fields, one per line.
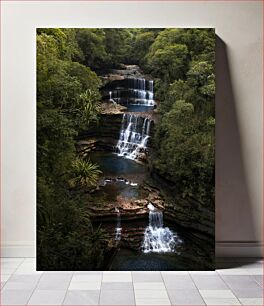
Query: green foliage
x=86 y=174
x=183 y=61
x=63 y=41
x=68 y=240
x=104 y=48
x=118 y=46
x=170 y=62
x=185 y=154
x=67 y=101
x=141 y=45
x=92 y=45
x=201 y=75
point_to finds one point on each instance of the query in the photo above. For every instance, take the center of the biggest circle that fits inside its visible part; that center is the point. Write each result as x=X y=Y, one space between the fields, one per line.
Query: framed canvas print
x=125 y=148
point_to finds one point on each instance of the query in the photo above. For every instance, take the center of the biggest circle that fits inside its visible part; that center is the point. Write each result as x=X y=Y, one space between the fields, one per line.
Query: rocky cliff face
x=103 y=135
x=188 y=212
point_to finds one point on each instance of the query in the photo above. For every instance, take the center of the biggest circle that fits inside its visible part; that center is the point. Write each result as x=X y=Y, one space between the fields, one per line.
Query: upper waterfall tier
x=131 y=91
x=133 y=83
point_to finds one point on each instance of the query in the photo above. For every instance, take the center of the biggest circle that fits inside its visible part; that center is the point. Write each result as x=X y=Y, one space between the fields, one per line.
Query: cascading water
x=118 y=229
x=110 y=98
x=134 y=91
x=134 y=136
x=158 y=239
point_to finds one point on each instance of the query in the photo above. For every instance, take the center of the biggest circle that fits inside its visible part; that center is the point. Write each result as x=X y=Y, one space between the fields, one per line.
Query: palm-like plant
x=86 y=173
x=89 y=105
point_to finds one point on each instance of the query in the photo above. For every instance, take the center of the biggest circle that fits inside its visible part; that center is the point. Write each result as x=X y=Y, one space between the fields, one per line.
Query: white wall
x=238 y=104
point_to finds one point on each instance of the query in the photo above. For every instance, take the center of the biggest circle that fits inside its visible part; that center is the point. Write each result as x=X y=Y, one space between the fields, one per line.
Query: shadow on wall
x=234 y=215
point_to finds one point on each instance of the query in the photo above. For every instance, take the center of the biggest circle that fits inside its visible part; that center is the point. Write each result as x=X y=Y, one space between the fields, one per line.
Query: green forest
x=69 y=62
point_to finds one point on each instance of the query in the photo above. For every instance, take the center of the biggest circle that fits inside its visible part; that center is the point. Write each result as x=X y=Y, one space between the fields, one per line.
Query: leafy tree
x=118 y=46
x=141 y=45
x=67 y=100
x=170 y=62
x=92 y=45
x=185 y=153
x=184 y=136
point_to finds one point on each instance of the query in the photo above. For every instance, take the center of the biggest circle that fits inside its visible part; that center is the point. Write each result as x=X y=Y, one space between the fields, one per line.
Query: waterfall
x=110 y=97
x=143 y=92
x=134 y=136
x=157 y=238
x=118 y=229
x=133 y=91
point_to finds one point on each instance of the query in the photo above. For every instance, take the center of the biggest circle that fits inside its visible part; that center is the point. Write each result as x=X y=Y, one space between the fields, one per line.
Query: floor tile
x=240 y=282
x=209 y=282
x=10 y=265
x=47 y=297
x=5 y=277
x=87 y=297
x=174 y=272
x=251 y=301
x=8 y=270
x=149 y=286
x=223 y=301
x=185 y=297
x=54 y=282
x=218 y=294
x=151 y=294
x=117 y=286
x=85 y=286
x=118 y=297
x=233 y=271
x=178 y=282
x=255 y=271
x=115 y=272
x=88 y=272
x=248 y=293
x=27 y=268
x=117 y=277
x=150 y=302
x=57 y=272
x=87 y=278
x=207 y=273
x=15 y=297
x=141 y=277
x=20 y=285
x=31 y=278
x=30 y=260
x=258 y=279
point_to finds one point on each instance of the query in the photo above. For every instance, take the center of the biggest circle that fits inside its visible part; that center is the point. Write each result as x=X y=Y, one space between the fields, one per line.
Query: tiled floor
x=236 y=282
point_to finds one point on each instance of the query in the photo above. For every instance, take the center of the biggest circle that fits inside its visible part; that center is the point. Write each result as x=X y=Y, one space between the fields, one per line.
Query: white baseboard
x=18 y=249
x=223 y=249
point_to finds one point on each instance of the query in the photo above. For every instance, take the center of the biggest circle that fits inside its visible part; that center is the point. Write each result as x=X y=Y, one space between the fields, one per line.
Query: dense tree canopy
x=184 y=138
x=67 y=95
